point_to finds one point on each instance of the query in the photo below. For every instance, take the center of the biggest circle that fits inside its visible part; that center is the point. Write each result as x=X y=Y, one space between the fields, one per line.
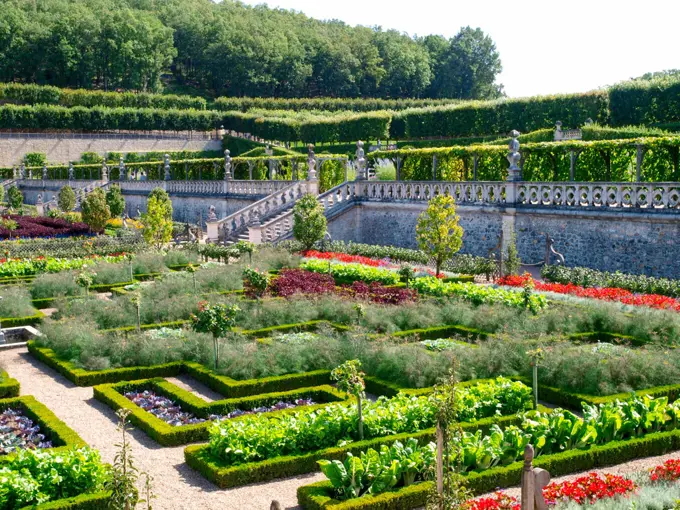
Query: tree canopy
x=228 y=48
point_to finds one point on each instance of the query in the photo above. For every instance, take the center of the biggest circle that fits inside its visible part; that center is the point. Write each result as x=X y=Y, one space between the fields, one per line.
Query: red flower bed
x=499 y=501
x=298 y=281
x=669 y=471
x=42 y=226
x=588 y=489
x=605 y=294
x=343 y=257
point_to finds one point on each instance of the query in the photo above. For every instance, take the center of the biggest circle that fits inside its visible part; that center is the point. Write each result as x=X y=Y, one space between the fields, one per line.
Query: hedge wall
x=46 y=94
x=319 y=495
x=645 y=102
x=604 y=160
x=473 y=118
x=332 y=104
x=169 y=435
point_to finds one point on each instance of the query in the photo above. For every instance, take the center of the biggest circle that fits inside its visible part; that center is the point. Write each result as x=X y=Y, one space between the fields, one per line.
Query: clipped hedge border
x=15 y=322
x=169 y=435
x=319 y=495
x=95 y=501
x=436 y=332
x=199 y=458
x=8 y=387
x=603 y=336
x=61 y=435
x=225 y=385
x=573 y=400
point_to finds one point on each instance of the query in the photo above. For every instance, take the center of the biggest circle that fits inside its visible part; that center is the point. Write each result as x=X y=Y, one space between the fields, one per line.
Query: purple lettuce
x=17 y=432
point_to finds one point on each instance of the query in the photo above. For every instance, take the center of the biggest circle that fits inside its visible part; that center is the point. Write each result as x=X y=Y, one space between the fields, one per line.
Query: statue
x=311 y=163
x=121 y=169
x=360 y=162
x=166 y=164
x=70 y=171
x=227 y=165
x=514 y=157
x=211 y=214
x=40 y=199
x=44 y=172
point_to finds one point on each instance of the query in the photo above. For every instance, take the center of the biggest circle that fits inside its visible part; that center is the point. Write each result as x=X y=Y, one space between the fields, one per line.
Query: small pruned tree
x=217 y=319
x=350 y=379
x=15 y=197
x=115 y=201
x=85 y=279
x=95 y=210
x=158 y=219
x=66 y=199
x=309 y=221
x=438 y=233
x=512 y=261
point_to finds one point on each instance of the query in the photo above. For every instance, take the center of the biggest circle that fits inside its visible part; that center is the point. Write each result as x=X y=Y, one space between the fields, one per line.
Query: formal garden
x=326 y=374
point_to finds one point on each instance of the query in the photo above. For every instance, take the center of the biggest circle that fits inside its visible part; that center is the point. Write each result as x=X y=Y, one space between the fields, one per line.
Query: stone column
x=312 y=180
x=22 y=171
x=227 y=165
x=475 y=163
x=572 y=165
x=166 y=166
x=434 y=167
x=514 y=172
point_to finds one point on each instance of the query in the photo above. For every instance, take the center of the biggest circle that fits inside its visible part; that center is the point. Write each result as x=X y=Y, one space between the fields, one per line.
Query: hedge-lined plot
x=169 y=435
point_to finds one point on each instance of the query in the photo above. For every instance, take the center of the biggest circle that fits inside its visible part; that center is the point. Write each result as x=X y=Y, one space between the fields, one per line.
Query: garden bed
x=54 y=430
x=168 y=434
x=320 y=495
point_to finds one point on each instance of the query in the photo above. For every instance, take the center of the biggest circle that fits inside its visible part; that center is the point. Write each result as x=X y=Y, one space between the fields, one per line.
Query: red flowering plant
x=669 y=471
x=606 y=293
x=366 y=261
x=588 y=489
x=499 y=501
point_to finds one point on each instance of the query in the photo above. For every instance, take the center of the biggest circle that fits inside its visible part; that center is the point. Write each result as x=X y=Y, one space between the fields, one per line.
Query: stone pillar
x=514 y=157
x=166 y=167
x=312 y=180
x=360 y=162
x=434 y=167
x=30 y=173
x=213 y=230
x=475 y=163
x=250 y=170
x=558 y=131
x=255 y=229
x=22 y=171
x=398 y=174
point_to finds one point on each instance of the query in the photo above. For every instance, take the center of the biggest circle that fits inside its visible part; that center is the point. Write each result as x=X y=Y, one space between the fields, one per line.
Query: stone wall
x=65 y=149
x=186 y=207
x=634 y=242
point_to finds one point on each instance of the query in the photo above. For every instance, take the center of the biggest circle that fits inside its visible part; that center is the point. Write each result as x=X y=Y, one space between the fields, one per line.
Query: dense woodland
x=231 y=49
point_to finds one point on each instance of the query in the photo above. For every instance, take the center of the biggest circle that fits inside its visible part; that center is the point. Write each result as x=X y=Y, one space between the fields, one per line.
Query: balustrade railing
x=601 y=195
x=256 y=187
x=477 y=192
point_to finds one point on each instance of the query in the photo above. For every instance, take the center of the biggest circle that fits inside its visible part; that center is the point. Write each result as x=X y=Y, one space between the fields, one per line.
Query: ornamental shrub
x=66 y=199
x=115 y=201
x=95 y=210
x=15 y=197
x=438 y=233
x=158 y=218
x=309 y=221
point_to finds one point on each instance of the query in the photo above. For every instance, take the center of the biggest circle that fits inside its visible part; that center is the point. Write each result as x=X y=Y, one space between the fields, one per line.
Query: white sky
x=546 y=46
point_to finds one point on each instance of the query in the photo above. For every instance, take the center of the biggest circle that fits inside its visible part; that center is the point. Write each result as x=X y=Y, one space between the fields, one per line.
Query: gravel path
x=176 y=486
x=199 y=389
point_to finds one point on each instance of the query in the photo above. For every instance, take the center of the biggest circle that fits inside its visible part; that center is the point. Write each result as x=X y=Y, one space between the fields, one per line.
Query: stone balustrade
x=237 y=223
x=475 y=192
x=601 y=195
x=196 y=187
x=256 y=187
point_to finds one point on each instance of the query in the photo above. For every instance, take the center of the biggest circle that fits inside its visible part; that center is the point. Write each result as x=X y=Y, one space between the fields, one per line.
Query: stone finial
x=71 y=171
x=514 y=157
x=361 y=162
x=30 y=173
x=22 y=171
x=44 y=172
x=212 y=216
x=311 y=163
x=40 y=199
x=227 y=165
x=166 y=165
x=268 y=150
x=589 y=121
x=121 y=169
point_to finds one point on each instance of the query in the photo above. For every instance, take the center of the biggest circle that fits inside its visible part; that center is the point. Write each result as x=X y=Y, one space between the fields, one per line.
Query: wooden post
x=440 y=460
x=528 y=497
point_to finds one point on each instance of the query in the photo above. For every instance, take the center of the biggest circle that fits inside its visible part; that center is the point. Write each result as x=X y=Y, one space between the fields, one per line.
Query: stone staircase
x=81 y=194
x=245 y=223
